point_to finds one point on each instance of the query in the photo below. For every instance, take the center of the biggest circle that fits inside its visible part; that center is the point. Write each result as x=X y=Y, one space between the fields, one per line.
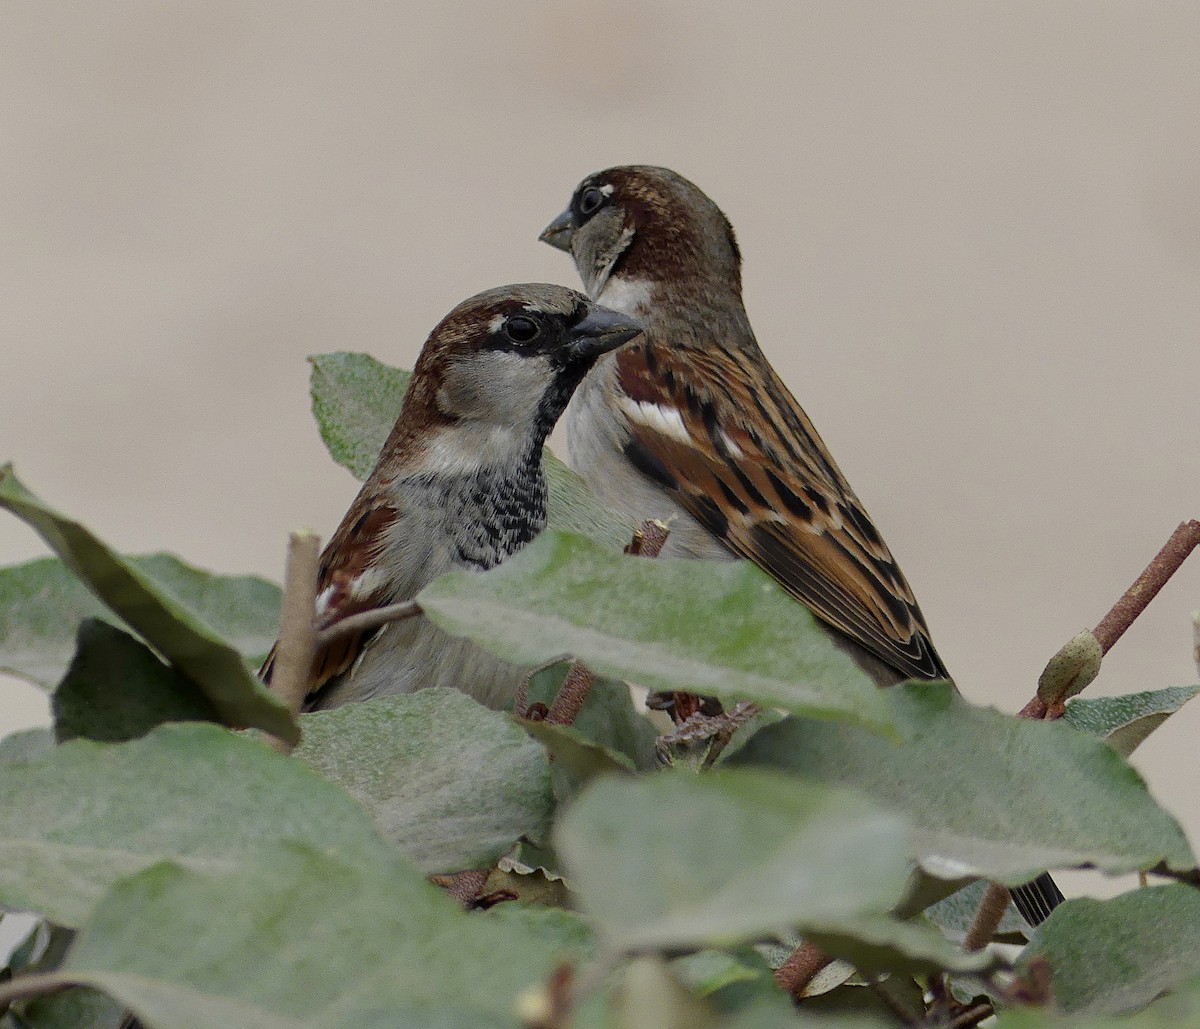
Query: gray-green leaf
x=675 y=860
x=989 y=795
x=83 y=815
x=1124 y=722
x=306 y=940
x=722 y=628
x=116 y=689
x=180 y=635
x=451 y=783
x=1108 y=957
x=42 y=602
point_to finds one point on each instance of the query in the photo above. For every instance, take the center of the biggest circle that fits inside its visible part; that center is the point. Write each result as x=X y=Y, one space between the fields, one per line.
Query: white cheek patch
x=629 y=296
x=664 y=420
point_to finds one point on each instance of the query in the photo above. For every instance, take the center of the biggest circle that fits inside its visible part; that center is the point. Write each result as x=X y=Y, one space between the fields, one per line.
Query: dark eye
x=590 y=201
x=521 y=330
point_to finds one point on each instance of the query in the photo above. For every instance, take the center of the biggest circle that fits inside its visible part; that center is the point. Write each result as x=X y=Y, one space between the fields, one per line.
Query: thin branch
x=972 y=1016
x=1145 y=588
x=648 y=539
x=366 y=620
x=987 y=918
x=800 y=969
x=297 y=635
x=1132 y=603
x=572 y=695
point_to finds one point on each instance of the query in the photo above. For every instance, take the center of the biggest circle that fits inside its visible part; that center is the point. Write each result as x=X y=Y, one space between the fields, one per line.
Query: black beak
x=600 y=331
x=560 y=232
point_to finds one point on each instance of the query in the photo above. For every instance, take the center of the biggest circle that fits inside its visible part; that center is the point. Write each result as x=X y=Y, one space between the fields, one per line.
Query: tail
x=1035 y=900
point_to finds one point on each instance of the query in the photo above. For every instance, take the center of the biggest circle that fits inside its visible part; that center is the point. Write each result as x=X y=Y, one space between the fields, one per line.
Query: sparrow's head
x=645 y=224
x=511 y=357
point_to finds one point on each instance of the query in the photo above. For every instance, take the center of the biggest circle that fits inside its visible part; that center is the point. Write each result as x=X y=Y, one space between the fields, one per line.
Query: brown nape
x=679 y=233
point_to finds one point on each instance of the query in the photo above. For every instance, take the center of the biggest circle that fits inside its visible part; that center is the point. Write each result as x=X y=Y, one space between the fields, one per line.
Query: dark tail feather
x=1035 y=900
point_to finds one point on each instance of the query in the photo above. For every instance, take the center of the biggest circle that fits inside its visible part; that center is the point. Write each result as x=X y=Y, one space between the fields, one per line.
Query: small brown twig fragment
x=463 y=887
x=1032 y=987
x=297 y=634
x=549 y=1008
x=987 y=918
x=799 y=970
x=1146 y=586
x=648 y=539
x=366 y=620
x=572 y=695
x=970 y=1016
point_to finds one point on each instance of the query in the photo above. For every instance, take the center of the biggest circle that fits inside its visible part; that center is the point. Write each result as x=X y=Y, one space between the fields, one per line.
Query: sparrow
x=691 y=425
x=459 y=484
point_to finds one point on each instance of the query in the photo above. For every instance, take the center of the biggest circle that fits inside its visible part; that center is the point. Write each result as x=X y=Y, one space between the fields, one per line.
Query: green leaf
x=955 y=914
x=178 y=634
x=675 y=860
x=73 y=1009
x=116 y=690
x=1178 y=1010
x=608 y=716
x=83 y=815
x=356 y=401
x=722 y=628
x=26 y=745
x=989 y=795
x=650 y=997
x=451 y=783
x=1108 y=957
x=42 y=602
x=576 y=760
x=1124 y=722
x=304 y=940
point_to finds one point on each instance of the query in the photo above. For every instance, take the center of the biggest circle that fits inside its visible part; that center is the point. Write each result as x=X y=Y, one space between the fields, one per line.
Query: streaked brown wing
x=756 y=474
x=346 y=558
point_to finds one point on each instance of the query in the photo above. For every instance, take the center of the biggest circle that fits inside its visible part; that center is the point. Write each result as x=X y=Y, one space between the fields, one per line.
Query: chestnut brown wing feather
x=759 y=477
x=350 y=551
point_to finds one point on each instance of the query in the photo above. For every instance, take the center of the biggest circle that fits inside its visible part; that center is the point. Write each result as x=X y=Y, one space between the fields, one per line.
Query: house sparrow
x=459 y=484
x=692 y=425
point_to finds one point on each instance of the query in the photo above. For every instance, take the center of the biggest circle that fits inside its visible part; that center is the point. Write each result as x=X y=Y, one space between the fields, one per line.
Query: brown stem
x=971 y=1016
x=1145 y=588
x=572 y=695
x=648 y=539
x=800 y=969
x=1132 y=603
x=297 y=635
x=987 y=918
x=365 y=620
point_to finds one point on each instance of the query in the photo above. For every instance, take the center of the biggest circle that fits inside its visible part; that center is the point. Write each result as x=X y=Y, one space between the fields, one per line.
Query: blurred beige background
x=972 y=239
